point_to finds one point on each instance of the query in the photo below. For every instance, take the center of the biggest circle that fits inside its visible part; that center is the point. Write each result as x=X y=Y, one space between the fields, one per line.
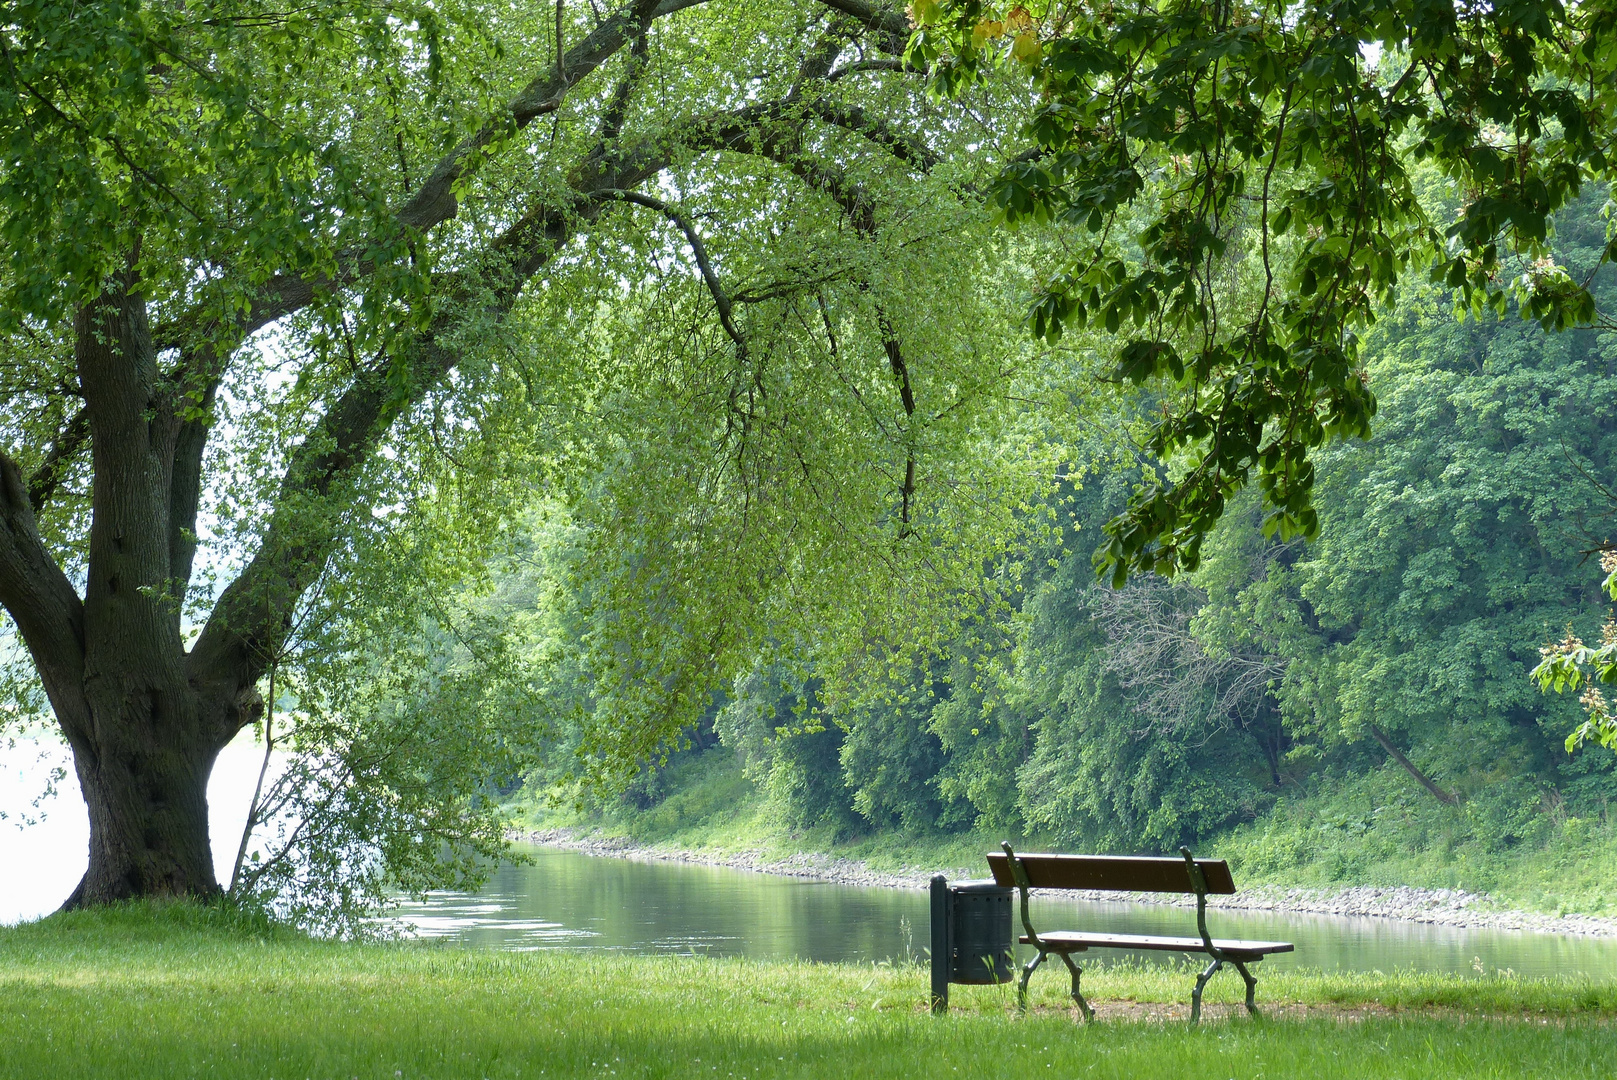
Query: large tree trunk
x=145 y=783
x=144 y=739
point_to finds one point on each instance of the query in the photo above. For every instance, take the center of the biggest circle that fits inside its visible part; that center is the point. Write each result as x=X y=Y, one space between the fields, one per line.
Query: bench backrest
x=1120 y=873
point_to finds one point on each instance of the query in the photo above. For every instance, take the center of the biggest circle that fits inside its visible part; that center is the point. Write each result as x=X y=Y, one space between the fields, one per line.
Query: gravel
x=1440 y=907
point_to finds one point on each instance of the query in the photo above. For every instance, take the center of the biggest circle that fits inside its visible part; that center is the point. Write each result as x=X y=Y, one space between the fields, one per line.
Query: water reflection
x=570 y=900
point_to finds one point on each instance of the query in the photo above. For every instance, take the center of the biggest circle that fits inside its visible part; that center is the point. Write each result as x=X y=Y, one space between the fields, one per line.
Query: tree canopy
x=1236 y=183
x=301 y=304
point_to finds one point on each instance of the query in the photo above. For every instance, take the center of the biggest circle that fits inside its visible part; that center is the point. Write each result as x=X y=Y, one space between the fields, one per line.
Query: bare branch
x=1170 y=677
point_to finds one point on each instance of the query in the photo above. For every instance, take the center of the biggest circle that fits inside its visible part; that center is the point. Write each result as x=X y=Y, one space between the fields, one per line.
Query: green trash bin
x=972 y=941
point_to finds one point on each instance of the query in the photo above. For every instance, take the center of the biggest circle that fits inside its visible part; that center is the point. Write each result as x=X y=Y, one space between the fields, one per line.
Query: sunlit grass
x=180 y=991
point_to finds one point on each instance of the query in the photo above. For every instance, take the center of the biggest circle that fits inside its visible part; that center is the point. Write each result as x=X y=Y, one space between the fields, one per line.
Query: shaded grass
x=181 y=991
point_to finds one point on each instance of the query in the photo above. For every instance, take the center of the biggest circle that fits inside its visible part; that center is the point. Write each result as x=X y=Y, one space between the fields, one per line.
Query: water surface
x=566 y=899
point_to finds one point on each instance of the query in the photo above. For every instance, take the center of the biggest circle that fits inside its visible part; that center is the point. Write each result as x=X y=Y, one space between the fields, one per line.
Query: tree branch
x=901 y=372
x=907 y=148
x=879 y=64
x=43 y=603
x=1447 y=798
x=254 y=614
x=617 y=108
x=699 y=251
x=42 y=485
x=251 y=617
x=185 y=487
x=892 y=26
x=822 y=56
x=434 y=202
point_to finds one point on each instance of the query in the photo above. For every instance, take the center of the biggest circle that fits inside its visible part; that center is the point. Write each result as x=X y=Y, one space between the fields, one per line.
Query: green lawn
x=181 y=992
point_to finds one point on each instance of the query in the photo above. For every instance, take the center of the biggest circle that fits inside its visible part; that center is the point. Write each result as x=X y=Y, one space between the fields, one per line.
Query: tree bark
x=146 y=785
x=141 y=746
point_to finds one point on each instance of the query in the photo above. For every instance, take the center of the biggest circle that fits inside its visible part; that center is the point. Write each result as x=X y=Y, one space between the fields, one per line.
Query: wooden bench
x=1129 y=874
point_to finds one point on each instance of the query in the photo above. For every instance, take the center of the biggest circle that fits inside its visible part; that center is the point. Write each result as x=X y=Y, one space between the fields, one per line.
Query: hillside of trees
x=1350 y=709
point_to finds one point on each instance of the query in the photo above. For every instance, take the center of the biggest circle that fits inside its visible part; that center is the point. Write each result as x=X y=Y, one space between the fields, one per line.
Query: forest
x=1350 y=709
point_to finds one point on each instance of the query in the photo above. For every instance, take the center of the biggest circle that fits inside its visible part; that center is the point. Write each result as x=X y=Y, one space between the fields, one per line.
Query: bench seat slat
x=1072 y=940
x=1123 y=873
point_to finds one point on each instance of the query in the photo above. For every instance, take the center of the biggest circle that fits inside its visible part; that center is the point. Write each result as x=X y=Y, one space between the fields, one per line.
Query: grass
x=177 y=991
x=1376 y=829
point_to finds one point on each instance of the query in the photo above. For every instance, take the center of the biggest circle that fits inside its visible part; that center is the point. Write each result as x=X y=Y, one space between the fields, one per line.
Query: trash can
x=972 y=941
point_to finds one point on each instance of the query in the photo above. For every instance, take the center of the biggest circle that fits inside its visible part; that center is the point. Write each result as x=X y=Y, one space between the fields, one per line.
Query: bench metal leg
x=1196 y=994
x=1077 y=973
x=1027 y=973
x=1251 y=987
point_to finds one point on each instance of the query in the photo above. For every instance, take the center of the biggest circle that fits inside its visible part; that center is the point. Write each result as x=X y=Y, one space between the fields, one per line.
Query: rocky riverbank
x=1445 y=907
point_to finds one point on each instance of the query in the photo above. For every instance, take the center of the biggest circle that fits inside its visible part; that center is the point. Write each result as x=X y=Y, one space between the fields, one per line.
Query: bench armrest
x=1198 y=885
x=1019 y=873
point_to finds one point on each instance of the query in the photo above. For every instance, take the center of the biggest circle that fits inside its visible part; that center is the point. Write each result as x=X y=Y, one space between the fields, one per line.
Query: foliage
x=1375 y=828
x=1375 y=674
x=1453 y=541
x=399 y=711
x=1237 y=185
x=1569 y=662
x=694 y=279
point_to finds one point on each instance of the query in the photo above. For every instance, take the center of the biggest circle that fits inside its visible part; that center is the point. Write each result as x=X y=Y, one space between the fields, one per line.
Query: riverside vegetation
x=180 y=990
x=1352 y=712
x=1355 y=710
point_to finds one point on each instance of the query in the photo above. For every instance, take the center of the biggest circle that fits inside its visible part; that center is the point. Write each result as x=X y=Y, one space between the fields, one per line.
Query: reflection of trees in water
x=662 y=907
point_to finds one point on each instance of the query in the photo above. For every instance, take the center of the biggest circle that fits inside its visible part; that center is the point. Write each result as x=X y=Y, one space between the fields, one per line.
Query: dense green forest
x=1351 y=709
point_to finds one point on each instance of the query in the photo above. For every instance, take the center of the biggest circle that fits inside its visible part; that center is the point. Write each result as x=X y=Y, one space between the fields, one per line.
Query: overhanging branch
x=698 y=251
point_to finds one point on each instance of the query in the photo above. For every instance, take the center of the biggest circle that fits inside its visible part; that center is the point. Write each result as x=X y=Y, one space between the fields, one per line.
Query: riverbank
x=1442 y=907
x=160 y=991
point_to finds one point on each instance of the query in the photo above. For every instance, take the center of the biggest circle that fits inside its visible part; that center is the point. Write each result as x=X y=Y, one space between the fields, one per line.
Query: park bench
x=1129 y=874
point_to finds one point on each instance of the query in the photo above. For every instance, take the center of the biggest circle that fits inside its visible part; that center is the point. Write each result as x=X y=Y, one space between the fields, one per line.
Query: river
x=566 y=899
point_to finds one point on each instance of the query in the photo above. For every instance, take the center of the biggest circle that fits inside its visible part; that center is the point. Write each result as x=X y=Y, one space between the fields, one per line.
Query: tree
x=1235 y=181
x=354 y=230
